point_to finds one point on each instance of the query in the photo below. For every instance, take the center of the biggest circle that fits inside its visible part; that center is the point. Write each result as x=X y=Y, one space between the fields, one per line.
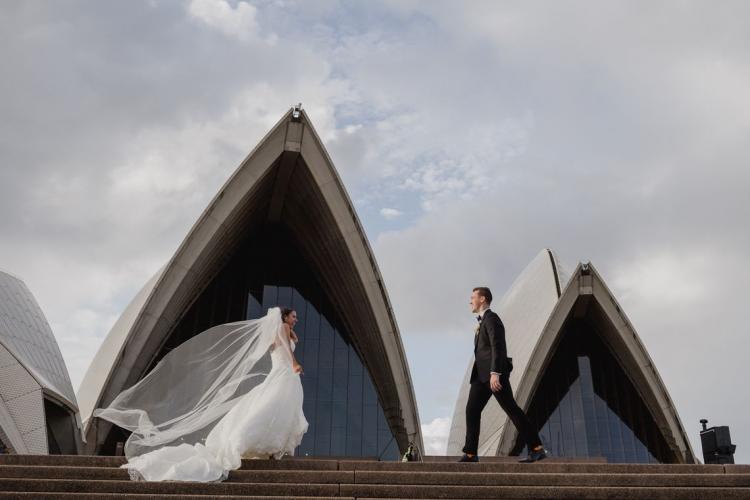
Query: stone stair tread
x=130 y=496
x=550 y=479
x=362 y=492
x=543 y=466
x=513 y=460
x=110 y=473
x=400 y=477
x=169 y=487
x=69 y=477
x=105 y=461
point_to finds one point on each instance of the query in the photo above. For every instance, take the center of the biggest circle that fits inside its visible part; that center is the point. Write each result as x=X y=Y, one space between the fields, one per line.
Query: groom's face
x=476 y=302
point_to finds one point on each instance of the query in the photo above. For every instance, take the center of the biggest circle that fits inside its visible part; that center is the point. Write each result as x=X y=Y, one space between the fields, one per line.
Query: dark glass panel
x=384 y=434
x=354 y=406
x=238 y=301
x=221 y=300
x=299 y=304
x=586 y=406
x=325 y=389
x=284 y=298
x=254 y=307
x=61 y=429
x=270 y=294
x=369 y=420
x=589 y=422
x=339 y=396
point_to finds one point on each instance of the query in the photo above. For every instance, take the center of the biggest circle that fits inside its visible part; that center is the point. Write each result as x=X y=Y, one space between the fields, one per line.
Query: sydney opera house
x=283 y=231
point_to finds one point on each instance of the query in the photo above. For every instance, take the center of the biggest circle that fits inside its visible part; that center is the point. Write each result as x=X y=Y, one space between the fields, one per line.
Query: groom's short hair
x=483 y=291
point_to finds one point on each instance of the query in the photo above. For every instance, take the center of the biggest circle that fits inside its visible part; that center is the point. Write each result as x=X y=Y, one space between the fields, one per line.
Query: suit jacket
x=490 y=354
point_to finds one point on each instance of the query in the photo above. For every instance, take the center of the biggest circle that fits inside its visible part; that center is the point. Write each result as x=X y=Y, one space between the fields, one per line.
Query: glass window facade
x=340 y=404
x=340 y=400
x=586 y=406
x=61 y=429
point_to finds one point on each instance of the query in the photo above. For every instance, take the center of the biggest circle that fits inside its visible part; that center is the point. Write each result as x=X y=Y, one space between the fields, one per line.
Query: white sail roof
x=24 y=331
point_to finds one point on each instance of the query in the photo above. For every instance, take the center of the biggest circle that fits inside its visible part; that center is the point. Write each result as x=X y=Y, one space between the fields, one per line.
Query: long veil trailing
x=197 y=383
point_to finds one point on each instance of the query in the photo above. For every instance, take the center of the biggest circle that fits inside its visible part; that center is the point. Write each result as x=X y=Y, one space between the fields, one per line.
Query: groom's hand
x=495 y=382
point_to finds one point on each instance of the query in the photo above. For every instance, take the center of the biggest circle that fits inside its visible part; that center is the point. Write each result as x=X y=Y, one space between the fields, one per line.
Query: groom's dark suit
x=490 y=355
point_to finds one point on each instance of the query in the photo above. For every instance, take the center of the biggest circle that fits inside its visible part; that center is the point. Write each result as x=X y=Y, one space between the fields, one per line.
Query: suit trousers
x=479 y=394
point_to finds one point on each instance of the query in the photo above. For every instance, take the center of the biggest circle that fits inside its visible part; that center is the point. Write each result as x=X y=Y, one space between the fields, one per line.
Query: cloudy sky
x=470 y=136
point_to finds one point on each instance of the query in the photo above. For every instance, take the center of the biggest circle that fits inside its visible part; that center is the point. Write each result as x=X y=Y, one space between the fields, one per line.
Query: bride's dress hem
x=267 y=421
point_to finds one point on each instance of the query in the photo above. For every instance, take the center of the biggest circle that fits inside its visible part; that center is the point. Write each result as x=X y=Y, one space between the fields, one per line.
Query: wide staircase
x=74 y=477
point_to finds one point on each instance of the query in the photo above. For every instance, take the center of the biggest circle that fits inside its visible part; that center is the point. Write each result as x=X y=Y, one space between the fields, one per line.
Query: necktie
x=479 y=318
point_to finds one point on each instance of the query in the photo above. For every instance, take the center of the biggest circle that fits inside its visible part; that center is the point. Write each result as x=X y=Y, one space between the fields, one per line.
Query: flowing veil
x=197 y=383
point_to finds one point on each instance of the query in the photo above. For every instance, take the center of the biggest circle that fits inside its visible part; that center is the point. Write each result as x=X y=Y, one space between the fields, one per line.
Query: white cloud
x=671 y=280
x=390 y=213
x=435 y=436
x=239 y=22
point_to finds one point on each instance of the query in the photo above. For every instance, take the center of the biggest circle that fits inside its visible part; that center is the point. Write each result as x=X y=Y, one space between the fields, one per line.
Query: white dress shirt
x=481 y=316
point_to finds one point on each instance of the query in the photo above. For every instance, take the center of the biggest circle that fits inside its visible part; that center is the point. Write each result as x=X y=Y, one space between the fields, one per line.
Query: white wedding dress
x=267 y=420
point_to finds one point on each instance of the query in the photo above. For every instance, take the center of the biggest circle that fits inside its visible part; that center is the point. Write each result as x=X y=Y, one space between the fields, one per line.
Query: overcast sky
x=470 y=136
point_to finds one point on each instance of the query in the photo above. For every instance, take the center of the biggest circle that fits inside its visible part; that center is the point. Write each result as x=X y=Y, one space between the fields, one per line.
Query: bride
x=230 y=392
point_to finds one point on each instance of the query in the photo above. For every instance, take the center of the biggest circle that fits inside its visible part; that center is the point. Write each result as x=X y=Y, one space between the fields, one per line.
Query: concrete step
x=129 y=489
x=401 y=477
x=535 y=468
x=118 y=474
x=362 y=492
x=168 y=487
x=63 y=460
x=127 y=496
x=68 y=477
x=512 y=460
x=549 y=465
x=544 y=479
x=103 y=461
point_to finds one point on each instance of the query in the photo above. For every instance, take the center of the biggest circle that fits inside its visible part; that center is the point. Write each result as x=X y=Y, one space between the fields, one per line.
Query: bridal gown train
x=266 y=421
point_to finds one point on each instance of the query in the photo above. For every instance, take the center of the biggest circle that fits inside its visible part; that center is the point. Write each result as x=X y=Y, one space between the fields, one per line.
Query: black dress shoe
x=534 y=456
x=467 y=458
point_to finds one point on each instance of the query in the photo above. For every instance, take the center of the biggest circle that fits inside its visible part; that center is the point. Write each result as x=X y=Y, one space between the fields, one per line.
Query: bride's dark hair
x=285 y=311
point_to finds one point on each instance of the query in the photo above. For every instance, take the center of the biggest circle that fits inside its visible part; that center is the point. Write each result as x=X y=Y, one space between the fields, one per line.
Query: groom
x=490 y=377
